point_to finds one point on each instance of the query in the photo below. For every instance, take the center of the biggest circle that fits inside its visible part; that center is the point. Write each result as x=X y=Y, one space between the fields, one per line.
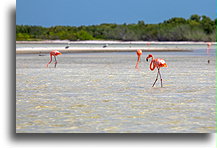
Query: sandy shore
x=111 y=42
x=71 y=49
x=80 y=50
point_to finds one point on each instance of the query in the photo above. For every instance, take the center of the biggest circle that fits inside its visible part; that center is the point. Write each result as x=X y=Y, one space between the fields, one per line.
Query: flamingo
x=139 y=53
x=156 y=63
x=53 y=53
x=148 y=43
x=208 y=49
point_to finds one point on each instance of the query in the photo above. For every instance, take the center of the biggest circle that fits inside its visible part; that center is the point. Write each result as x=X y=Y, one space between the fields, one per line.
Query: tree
x=207 y=24
x=176 y=20
x=196 y=28
x=195 y=17
x=141 y=23
x=83 y=35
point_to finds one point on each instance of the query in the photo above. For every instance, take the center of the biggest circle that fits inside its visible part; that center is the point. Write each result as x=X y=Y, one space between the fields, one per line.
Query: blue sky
x=93 y=12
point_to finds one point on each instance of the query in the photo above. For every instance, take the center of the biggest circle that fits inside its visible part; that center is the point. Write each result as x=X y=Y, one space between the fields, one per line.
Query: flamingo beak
x=147 y=59
x=60 y=53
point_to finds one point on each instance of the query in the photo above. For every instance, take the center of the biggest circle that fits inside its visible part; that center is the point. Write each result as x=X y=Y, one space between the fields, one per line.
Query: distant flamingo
x=156 y=63
x=53 y=53
x=148 y=43
x=139 y=53
x=208 y=49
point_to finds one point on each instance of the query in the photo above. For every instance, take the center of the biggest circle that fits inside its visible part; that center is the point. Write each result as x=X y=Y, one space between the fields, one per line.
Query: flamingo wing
x=160 y=63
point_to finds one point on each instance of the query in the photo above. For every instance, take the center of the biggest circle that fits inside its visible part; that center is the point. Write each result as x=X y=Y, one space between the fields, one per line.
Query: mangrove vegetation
x=195 y=28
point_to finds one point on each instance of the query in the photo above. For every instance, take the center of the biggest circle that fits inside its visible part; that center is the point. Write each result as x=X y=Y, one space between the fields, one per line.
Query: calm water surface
x=103 y=92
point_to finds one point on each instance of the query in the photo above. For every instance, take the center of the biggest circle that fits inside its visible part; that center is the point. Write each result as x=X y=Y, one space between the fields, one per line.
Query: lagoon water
x=104 y=93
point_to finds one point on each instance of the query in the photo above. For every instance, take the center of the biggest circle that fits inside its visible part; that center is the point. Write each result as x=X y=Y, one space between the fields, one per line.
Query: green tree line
x=195 y=28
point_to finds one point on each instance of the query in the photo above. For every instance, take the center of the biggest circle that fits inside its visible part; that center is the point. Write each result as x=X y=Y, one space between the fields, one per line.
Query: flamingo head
x=149 y=56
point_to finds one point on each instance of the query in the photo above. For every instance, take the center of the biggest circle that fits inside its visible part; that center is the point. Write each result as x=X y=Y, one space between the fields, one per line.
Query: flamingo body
x=139 y=53
x=55 y=53
x=157 y=63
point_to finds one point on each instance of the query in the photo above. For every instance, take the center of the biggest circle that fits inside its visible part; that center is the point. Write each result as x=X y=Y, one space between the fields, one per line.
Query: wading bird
x=106 y=45
x=53 y=53
x=139 y=53
x=67 y=46
x=156 y=63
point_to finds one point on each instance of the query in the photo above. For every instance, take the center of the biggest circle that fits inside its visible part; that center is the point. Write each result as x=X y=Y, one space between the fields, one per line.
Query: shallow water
x=103 y=92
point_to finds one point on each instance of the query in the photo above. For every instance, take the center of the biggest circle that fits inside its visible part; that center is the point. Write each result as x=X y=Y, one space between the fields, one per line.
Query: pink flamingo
x=139 y=53
x=208 y=49
x=53 y=53
x=148 y=43
x=156 y=63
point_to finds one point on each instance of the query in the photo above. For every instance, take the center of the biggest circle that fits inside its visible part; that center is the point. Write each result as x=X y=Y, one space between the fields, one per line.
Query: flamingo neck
x=152 y=65
x=50 y=57
x=138 y=60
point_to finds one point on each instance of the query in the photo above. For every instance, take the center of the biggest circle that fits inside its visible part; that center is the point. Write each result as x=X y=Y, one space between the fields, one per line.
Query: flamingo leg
x=138 y=60
x=155 y=79
x=55 y=61
x=160 y=78
x=49 y=61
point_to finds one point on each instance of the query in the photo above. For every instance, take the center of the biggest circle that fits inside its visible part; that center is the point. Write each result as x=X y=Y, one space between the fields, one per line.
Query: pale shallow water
x=103 y=92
